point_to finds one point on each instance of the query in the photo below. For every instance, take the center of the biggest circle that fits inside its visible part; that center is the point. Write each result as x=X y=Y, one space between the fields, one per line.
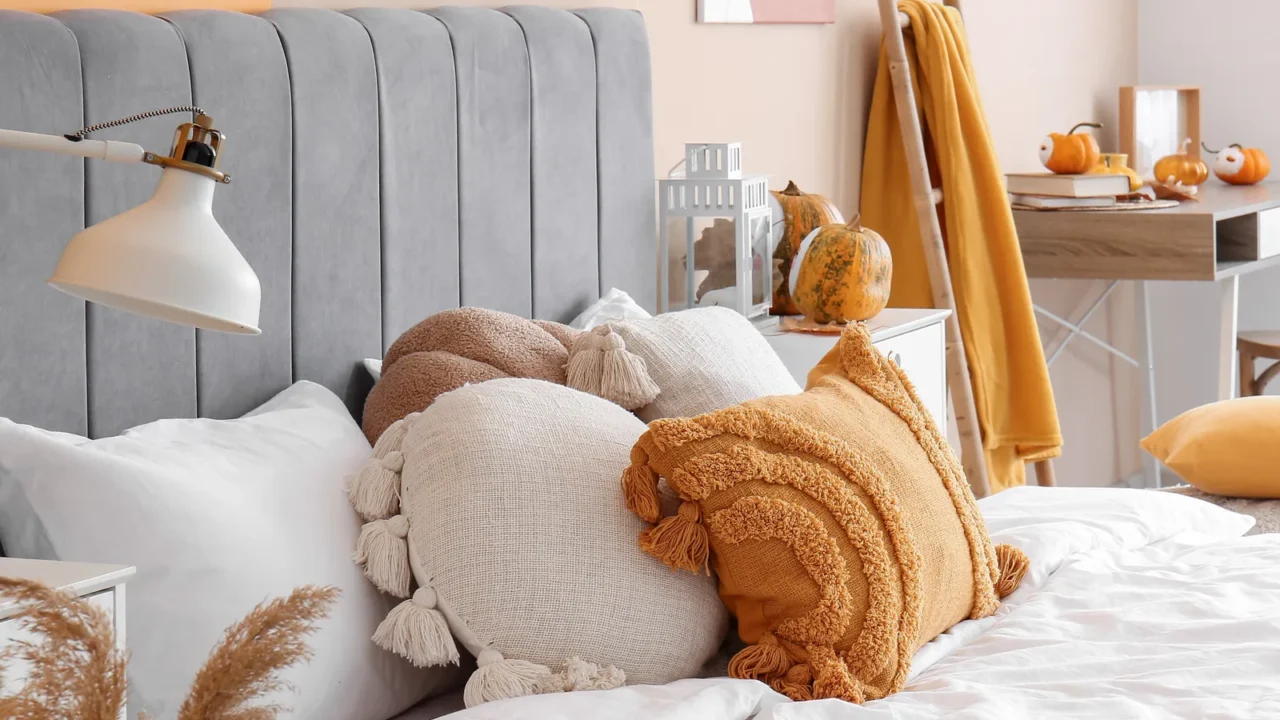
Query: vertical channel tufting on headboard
x=139 y=369
x=248 y=92
x=628 y=223
x=566 y=235
x=418 y=113
x=386 y=164
x=42 y=353
x=492 y=66
x=337 y=275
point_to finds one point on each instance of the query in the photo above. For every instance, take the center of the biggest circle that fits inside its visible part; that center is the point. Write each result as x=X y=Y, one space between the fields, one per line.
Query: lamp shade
x=167 y=259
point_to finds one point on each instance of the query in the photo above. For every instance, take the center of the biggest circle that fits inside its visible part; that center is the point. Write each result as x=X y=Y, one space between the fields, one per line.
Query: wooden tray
x=799 y=323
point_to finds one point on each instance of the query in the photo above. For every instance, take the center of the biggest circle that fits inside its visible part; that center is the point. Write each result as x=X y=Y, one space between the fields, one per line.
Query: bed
x=390 y=164
x=1137 y=604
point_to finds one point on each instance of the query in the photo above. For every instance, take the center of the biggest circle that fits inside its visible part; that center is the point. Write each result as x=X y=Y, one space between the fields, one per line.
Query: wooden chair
x=1253 y=345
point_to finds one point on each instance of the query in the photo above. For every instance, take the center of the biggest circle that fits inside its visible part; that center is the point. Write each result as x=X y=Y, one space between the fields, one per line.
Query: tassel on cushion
x=626 y=380
x=679 y=541
x=497 y=678
x=383 y=551
x=640 y=487
x=393 y=437
x=578 y=674
x=375 y=490
x=765 y=660
x=417 y=631
x=601 y=365
x=585 y=369
x=1013 y=565
x=797 y=684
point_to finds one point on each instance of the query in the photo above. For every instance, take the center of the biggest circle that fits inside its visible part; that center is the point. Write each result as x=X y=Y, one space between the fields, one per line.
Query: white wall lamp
x=166 y=258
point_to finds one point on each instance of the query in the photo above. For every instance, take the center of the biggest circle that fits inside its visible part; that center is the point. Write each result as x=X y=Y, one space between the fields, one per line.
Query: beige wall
x=1240 y=104
x=797 y=97
x=1034 y=80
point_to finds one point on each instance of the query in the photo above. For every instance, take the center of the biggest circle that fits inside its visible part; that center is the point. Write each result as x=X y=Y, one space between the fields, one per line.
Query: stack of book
x=1045 y=191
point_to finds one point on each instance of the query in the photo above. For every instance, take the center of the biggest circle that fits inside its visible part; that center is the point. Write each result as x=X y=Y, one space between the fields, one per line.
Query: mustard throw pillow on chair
x=1229 y=448
x=838 y=521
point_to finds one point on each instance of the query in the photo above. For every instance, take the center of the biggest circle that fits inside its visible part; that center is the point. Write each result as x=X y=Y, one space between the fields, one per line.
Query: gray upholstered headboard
x=386 y=164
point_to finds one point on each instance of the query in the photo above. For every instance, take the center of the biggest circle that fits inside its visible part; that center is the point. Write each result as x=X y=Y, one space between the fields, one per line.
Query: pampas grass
x=74 y=669
x=246 y=664
x=77 y=673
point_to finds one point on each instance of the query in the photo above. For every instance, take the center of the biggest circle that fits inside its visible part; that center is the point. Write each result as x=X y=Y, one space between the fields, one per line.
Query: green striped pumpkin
x=795 y=215
x=842 y=273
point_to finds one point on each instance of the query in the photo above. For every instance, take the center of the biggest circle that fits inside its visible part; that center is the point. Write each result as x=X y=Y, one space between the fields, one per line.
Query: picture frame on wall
x=1158 y=120
x=767 y=11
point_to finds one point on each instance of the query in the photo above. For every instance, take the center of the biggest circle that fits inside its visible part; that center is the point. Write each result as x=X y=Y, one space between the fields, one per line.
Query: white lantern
x=712 y=188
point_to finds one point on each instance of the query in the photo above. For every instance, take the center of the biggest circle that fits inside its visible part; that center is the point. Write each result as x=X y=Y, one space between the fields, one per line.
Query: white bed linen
x=1137 y=604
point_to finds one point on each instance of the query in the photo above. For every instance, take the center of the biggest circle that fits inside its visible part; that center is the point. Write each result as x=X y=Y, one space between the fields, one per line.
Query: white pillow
x=515 y=528
x=614 y=306
x=217 y=516
x=704 y=359
x=374 y=367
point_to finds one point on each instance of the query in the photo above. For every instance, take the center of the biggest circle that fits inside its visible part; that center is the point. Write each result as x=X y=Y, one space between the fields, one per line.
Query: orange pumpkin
x=1240 y=165
x=1070 y=154
x=1181 y=168
x=842 y=273
x=797 y=214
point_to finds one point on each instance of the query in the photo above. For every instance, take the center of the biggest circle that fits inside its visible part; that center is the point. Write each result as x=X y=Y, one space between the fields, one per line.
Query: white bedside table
x=101 y=585
x=915 y=339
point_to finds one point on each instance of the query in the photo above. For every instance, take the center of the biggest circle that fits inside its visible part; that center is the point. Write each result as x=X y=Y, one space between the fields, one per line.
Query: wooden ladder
x=927 y=198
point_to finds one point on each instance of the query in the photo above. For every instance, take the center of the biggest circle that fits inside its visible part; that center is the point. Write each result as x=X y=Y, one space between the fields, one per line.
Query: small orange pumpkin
x=798 y=213
x=841 y=273
x=1181 y=168
x=1070 y=154
x=1240 y=165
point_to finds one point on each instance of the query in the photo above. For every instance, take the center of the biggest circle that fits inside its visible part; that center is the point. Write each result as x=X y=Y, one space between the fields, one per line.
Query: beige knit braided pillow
x=510 y=522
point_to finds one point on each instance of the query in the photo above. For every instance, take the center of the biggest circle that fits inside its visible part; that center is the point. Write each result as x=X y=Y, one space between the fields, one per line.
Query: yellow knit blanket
x=1011 y=387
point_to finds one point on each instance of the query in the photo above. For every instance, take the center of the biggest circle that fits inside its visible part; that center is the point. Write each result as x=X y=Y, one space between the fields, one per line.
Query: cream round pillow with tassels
x=510 y=523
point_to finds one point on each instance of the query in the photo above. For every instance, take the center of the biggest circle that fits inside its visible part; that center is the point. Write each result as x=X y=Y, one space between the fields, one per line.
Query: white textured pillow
x=704 y=359
x=217 y=515
x=613 y=306
x=518 y=536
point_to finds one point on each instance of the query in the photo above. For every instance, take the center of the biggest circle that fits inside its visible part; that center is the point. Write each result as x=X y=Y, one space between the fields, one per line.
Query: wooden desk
x=1194 y=241
x=1206 y=241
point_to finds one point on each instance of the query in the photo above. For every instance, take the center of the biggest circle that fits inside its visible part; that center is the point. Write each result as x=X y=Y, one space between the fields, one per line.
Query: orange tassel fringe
x=1013 y=565
x=640 y=487
x=797 y=684
x=679 y=541
x=763 y=661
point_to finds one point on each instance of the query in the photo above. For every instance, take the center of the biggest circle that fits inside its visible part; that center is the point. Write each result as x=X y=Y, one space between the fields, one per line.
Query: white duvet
x=1138 y=604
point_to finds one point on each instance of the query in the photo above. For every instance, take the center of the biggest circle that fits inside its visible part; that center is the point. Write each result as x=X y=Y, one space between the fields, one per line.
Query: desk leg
x=1229 y=290
x=1147 y=369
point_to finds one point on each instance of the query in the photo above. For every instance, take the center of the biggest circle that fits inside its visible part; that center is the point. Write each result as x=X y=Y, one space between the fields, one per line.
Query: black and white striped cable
x=82 y=133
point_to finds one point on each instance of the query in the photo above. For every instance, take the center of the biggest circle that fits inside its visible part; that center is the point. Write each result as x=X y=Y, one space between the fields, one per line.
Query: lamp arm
x=99 y=149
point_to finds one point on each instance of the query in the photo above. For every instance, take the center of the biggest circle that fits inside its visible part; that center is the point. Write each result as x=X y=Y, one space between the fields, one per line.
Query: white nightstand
x=914 y=339
x=101 y=585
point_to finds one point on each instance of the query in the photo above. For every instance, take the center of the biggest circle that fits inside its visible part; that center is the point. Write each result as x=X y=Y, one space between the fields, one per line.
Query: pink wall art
x=767 y=11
